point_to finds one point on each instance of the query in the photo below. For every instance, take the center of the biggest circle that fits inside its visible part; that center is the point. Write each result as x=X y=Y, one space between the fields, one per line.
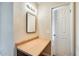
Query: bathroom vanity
x=33 y=47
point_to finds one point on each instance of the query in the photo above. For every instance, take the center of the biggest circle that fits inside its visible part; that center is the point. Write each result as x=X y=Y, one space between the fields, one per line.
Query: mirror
x=30 y=23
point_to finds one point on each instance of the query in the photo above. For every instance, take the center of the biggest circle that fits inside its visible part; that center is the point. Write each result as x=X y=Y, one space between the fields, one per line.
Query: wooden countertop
x=26 y=39
x=34 y=47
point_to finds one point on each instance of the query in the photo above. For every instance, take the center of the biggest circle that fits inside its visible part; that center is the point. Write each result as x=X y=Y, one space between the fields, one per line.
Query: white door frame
x=73 y=45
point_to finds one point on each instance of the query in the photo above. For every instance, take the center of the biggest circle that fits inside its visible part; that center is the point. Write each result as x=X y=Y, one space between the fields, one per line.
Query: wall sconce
x=30 y=8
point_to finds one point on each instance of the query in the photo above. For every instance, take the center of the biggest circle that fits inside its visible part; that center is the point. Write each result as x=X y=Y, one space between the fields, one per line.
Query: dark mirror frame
x=27 y=23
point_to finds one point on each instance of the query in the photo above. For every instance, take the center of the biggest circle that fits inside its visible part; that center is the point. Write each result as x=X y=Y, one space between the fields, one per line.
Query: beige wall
x=19 y=21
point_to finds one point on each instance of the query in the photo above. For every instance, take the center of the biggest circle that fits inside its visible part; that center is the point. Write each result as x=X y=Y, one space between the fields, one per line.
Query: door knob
x=54 y=34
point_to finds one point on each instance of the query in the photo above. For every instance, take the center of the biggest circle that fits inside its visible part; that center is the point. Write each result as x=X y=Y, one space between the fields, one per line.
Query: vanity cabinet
x=34 y=47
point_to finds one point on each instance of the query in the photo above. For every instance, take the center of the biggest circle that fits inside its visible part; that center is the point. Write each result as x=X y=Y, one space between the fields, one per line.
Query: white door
x=61 y=30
